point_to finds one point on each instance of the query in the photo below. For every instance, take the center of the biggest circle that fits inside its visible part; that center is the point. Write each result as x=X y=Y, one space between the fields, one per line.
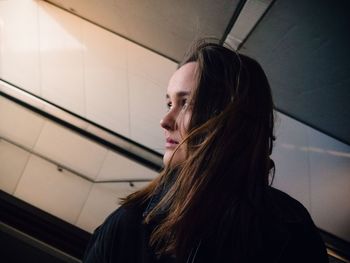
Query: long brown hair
x=218 y=191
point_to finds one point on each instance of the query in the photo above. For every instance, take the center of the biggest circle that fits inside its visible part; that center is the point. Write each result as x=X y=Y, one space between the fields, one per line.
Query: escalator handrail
x=84 y=127
x=37 y=244
x=337 y=247
x=43 y=226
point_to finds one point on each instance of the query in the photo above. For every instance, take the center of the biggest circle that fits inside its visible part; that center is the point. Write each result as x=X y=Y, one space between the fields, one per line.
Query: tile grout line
x=91 y=186
x=22 y=172
x=29 y=157
x=309 y=169
x=128 y=86
x=83 y=54
x=39 y=51
x=83 y=205
x=102 y=164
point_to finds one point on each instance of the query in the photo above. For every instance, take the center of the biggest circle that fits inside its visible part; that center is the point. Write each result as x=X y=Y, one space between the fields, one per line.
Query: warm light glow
x=64 y=36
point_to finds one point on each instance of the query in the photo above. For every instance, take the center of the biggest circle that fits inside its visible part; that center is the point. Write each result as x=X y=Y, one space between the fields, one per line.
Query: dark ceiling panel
x=165 y=26
x=304 y=47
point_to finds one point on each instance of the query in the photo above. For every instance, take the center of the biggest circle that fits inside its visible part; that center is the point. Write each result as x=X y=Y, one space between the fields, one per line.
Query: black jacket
x=290 y=236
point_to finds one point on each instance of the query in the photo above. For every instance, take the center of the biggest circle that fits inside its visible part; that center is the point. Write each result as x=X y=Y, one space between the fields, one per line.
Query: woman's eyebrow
x=179 y=94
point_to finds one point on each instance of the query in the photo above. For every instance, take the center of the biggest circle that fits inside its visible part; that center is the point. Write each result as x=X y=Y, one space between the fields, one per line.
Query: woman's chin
x=166 y=157
x=169 y=159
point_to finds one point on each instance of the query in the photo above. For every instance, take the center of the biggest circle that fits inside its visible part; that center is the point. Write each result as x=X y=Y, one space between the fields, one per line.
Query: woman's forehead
x=183 y=80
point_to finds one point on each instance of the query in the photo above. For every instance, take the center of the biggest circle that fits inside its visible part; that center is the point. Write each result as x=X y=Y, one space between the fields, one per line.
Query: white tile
x=292 y=163
x=147 y=107
x=19 y=124
x=70 y=149
x=12 y=162
x=61 y=58
x=150 y=65
x=19 y=44
x=118 y=167
x=62 y=194
x=107 y=99
x=330 y=183
x=106 y=82
x=103 y=48
x=103 y=199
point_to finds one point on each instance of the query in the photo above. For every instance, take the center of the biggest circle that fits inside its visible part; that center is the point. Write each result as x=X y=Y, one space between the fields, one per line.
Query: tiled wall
x=33 y=151
x=315 y=169
x=84 y=68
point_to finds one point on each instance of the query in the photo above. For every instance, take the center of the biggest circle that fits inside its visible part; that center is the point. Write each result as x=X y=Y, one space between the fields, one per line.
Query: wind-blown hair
x=217 y=193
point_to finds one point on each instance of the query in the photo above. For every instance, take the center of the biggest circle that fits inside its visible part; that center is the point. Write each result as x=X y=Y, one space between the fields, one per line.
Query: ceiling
x=164 y=26
x=302 y=45
x=304 y=48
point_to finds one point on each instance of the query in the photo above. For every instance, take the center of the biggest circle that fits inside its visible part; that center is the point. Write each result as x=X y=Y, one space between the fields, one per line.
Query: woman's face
x=176 y=120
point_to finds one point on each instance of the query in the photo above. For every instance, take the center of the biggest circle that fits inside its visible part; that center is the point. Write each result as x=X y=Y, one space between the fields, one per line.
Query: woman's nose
x=168 y=121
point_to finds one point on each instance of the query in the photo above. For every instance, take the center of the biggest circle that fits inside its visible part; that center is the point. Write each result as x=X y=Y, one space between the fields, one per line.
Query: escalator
x=31 y=232
x=34 y=230
x=32 y=235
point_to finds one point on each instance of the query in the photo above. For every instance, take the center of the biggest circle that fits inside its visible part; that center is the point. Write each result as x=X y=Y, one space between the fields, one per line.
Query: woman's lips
x=170 y=143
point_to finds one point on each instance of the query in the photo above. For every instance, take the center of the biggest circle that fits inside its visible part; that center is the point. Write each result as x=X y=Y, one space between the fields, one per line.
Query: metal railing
x=93 y=131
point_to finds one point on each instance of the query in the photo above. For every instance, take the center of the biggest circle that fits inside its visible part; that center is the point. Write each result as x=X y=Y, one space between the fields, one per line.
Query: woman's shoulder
x=125 y=215
x=294 y=231
x=122 y=222
x=286 y=207
x=117 y=236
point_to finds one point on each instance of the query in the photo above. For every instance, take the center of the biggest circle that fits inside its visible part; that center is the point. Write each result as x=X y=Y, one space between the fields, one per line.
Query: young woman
x=212 y=202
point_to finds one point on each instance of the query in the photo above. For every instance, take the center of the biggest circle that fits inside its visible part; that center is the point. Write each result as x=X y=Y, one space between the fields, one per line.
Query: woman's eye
x=169 y=105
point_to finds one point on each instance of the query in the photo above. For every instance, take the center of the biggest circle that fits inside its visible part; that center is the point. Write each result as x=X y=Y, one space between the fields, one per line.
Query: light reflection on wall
x=315 y=150
x=62 y=39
